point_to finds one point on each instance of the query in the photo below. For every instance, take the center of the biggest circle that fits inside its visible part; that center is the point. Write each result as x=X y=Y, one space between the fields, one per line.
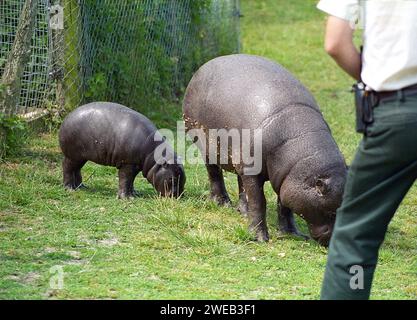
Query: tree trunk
x=18 y=58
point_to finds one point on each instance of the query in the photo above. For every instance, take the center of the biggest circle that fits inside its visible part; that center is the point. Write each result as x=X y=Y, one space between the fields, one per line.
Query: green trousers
x=383 y=170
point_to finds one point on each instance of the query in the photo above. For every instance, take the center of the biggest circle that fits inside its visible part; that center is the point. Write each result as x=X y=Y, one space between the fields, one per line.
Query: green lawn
x=152 y=248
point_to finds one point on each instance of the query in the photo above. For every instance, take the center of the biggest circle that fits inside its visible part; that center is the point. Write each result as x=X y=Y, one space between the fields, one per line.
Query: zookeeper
x=385 y=164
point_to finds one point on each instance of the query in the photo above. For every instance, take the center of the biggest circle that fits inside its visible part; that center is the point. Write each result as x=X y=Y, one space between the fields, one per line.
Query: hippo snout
x=172 y=187
x=172 y=193
x=322 y=234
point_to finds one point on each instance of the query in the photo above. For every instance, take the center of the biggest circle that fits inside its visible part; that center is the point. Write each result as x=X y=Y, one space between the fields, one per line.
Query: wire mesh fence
x=35 y=76
x=135 y=52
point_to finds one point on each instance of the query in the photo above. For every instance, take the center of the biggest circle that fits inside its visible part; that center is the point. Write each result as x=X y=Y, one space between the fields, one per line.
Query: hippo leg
x=72 y=173
x=243 y=201
x=286 y=222
x=127 y=175
x=254 y=188
x=218 y=189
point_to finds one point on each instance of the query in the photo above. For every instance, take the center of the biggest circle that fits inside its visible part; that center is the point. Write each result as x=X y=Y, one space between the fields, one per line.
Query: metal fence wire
x=35 y=77
x=135 y=52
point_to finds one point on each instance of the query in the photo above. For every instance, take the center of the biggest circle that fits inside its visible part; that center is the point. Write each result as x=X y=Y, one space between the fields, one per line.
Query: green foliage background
x=140 y=53
x=143 y=53
x=13 y=134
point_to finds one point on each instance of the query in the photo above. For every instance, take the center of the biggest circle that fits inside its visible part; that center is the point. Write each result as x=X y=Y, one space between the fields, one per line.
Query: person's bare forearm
x=339 y=45
x=349 y=60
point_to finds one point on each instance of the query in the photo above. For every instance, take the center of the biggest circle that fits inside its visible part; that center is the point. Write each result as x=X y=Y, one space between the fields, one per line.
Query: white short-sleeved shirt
x=390 y=39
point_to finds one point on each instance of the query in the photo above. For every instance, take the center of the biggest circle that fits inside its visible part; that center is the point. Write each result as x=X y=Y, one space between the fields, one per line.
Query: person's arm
x=339 y=45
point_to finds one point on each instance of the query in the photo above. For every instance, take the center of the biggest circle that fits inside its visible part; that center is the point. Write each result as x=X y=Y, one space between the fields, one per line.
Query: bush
x=13 y=135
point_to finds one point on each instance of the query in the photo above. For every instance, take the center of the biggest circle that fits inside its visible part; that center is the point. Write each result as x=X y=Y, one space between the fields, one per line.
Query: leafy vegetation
x=144 y=55
x=13 y=135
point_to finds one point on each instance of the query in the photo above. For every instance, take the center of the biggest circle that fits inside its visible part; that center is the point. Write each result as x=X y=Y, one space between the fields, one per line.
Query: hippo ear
x=321 y=186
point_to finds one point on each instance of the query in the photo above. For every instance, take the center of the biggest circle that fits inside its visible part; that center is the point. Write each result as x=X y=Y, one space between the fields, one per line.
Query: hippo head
x=167 y=178
x=313 y=189
x=163 y=168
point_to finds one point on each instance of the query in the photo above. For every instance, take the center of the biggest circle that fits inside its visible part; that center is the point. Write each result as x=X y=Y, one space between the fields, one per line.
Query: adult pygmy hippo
x=299 y=155
x=114 y=135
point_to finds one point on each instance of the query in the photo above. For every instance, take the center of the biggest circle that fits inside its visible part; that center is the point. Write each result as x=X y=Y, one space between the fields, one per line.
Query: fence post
x=56 y=26
x=238 y=15
x=71 y=53
x=18 y=58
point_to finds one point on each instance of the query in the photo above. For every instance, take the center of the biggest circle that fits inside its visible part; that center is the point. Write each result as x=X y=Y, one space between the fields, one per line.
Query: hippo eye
x=319 y=183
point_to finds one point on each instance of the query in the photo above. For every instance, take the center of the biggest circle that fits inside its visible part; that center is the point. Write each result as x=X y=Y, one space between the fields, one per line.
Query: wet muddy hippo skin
x=113 y=135
x=299 y=155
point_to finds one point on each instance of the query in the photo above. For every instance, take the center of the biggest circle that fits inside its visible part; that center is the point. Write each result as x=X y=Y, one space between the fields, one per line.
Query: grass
x=153 y=248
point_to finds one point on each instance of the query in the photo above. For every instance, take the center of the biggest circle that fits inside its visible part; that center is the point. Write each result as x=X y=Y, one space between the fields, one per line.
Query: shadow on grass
x=27 y=156
x=33 y=157
x=111 y=192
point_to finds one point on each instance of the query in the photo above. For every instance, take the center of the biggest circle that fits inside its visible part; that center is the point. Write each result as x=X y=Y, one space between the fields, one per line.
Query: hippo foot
x=74 y=187
x=128 y=195
x=294 y=232
x=262 y=236
x=243 y=208
x=222 y=200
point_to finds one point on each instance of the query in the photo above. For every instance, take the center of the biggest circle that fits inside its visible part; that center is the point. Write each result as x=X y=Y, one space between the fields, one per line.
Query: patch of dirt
x=76 y=262
x=109 y=242
x=76 y=258
x=51 y=294
x=74 y=254
x=154 y=278
x=49 y=250
x=13 y=277
x=31 y=278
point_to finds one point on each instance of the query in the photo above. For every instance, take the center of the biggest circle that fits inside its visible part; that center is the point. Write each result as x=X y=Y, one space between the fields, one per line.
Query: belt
x=382 y=96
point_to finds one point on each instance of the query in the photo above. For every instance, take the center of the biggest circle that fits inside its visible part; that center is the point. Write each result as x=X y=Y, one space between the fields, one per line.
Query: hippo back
x=105 y=133
x=242 y=91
